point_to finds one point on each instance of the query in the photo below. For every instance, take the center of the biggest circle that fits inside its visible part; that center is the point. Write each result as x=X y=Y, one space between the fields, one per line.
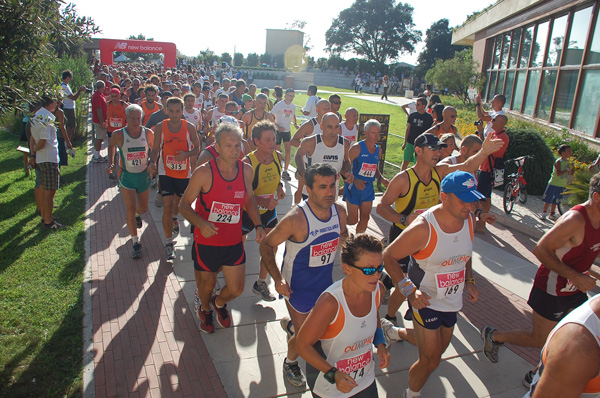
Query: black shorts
x=554 y=308
x=485 y=183
x=70 y=118
x=268 y=219
x=211 y=258
x=284 y=136
x=170 y=186
x=432 y=319
x=395 y=231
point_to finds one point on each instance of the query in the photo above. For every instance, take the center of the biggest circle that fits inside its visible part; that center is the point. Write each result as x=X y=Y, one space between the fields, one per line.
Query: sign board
x=383 y=134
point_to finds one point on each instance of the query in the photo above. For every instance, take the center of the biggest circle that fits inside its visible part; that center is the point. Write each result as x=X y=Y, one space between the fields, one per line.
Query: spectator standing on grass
x=99 y=111
x=69 y=102
x=558 y=182
x=310 y=108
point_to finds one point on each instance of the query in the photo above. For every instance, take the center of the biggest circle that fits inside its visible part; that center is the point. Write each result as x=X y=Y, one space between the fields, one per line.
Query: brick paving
x=146 y=342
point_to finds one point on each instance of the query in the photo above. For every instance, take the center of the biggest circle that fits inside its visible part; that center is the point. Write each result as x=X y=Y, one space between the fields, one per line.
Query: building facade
x=544 y=56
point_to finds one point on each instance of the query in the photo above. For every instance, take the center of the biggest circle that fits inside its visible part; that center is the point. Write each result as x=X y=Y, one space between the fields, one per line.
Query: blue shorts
x=356 y=196
x=552 y=194
x=432 y=319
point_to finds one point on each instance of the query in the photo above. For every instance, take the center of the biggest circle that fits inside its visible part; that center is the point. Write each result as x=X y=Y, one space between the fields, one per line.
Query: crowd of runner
x=213 y=146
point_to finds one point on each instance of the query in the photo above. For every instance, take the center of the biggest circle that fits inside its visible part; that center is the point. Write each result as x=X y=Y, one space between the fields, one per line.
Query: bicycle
x=515 y=185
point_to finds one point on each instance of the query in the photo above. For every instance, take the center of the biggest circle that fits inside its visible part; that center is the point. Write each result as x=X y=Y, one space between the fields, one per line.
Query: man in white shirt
x=285 y=112
x=69 y=102
x=310 y=108
x=349 y=127
x=497 y=103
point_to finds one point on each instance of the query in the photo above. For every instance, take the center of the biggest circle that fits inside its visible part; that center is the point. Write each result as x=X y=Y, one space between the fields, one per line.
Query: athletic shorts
x=485 y=183
x=284 y=136
x=432 y=319
x=99 y=132
x=49 y=175
x=170 y=186
x=139 y=182
x=552 y=194
x=409 y=153
x=211 y=258
x=554 y=308
x=268 y=219
x=356 y=196
x=394 y=233
x=70 y=117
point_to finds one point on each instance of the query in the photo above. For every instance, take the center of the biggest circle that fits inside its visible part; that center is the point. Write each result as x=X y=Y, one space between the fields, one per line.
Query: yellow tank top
x=253 y=121
x=419 y=196
x=266 y=177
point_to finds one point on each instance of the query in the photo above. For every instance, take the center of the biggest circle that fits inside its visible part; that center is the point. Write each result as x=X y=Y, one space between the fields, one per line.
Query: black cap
x=427 y=139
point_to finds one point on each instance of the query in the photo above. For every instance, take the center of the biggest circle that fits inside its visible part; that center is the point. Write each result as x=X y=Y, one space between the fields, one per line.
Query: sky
x=196 y=26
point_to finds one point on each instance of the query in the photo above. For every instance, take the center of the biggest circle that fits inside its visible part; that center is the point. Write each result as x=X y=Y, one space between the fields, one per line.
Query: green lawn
x=40 y=282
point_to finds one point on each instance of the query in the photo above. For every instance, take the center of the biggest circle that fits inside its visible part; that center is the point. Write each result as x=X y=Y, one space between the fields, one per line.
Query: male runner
x=134 y=142
x=469 y=146
x=336 y=102
x=172 y=138
x=440 y=242
x=566 y=253
x=149 y=104
x=236 y=95
x=268 y=190
x=359 y=196
x=312 y=125
x=115 y=120
x=211 y=118
x=220 y=188
x=284 y=113
x=417 y=123
x=350 y=126
x=192 y=114
x=256 y=115
x=310 y=108
x=416 y=189
x=312 y=232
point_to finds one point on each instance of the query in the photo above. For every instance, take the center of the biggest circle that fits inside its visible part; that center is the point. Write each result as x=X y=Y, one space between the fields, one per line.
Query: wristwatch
x=330 y=375
x=403 y=219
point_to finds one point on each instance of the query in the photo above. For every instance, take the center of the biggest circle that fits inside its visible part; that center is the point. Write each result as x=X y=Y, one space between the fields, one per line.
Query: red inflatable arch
x=108 y=46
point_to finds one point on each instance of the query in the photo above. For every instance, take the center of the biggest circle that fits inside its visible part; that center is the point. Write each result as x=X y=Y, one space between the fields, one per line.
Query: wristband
x=406 y=287
x=470 y=280
x=343 y=177
x=379 y=338
x=478 y=213
x=261 y=225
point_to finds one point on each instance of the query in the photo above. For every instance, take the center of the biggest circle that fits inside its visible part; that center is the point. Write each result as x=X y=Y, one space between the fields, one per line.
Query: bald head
x=323 y=106
x=499 y=122
x=449 y=110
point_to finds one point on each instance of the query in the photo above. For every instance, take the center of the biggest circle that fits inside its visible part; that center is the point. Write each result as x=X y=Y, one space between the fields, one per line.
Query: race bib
x=225 y=213
x=135 y=158
x=266 y=197
x=355 y=367
x=368 y=170
x=116 y=122
x=176 y=164
x=323 y=253
x=450 y=283
x=351 y=138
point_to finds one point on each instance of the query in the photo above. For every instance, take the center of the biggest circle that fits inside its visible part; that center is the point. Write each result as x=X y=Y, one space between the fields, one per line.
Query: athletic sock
x=290 y=362
x=134 y=239
x=262 y=280
x=411 y=394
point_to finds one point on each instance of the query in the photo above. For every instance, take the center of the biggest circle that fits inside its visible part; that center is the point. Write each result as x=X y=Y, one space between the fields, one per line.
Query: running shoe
x=222 y=314
x=170 y=250
x=206 y=321
x=390 y=331
x=175 y=227
x=293 y=373
x=287 y=326
x=285 y=176
x=138 y=221
x=158 y=201
x=528 y=378
x=100 y=159
x=553 y=216
x=262 y=289
x=544 y=215
x=53 y=225
x=392 y=319
x=137 y=250
x=490 y=347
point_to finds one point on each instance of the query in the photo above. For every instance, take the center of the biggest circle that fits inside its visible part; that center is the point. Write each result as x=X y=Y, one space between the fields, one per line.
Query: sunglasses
x=433 y=148
x=369 y=270
x=233 y=112
x=336 y=102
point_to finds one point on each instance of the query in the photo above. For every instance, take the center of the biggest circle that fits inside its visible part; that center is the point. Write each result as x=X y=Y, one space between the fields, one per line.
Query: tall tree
x=252 y=59
x=238 y=59
x=378 y=30
x=226 y=57
x=438 y=45
x=457 y=74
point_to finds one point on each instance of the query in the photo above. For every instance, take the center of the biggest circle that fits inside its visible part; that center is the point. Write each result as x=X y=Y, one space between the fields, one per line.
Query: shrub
x=537 y=170
x=581 y=150
x=578 y=190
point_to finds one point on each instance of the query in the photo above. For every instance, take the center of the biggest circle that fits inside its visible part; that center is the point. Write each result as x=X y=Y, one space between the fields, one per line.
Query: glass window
x=514 y=50
x=519 y=89
x=594 y=55
x=488 y=61
x=557 y=41
x=546 y=94
x=500 y=85
x=537 y=56
x=576 y=42
x=510 y=78
x=531 y=95
x=496 y=53
x=589 y=98
x=564 y=97
x=505 y=50
x=492 y=91
x=526 y=47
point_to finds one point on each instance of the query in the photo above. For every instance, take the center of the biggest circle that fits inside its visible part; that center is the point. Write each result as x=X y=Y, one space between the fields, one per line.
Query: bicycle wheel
x=563 y=205
x=509 y=199
x=523 y=194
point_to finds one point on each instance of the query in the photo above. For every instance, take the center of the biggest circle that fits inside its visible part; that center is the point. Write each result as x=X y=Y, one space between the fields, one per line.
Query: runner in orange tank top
x=115 y=119
x=177 y=141
x=149 y=105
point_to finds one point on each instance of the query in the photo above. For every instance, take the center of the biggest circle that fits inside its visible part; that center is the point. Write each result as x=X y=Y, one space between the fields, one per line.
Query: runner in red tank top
x=221 y=188
x=566 y=252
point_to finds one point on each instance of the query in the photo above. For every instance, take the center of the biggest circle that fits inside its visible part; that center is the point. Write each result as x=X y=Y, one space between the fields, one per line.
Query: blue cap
x=462 y=184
